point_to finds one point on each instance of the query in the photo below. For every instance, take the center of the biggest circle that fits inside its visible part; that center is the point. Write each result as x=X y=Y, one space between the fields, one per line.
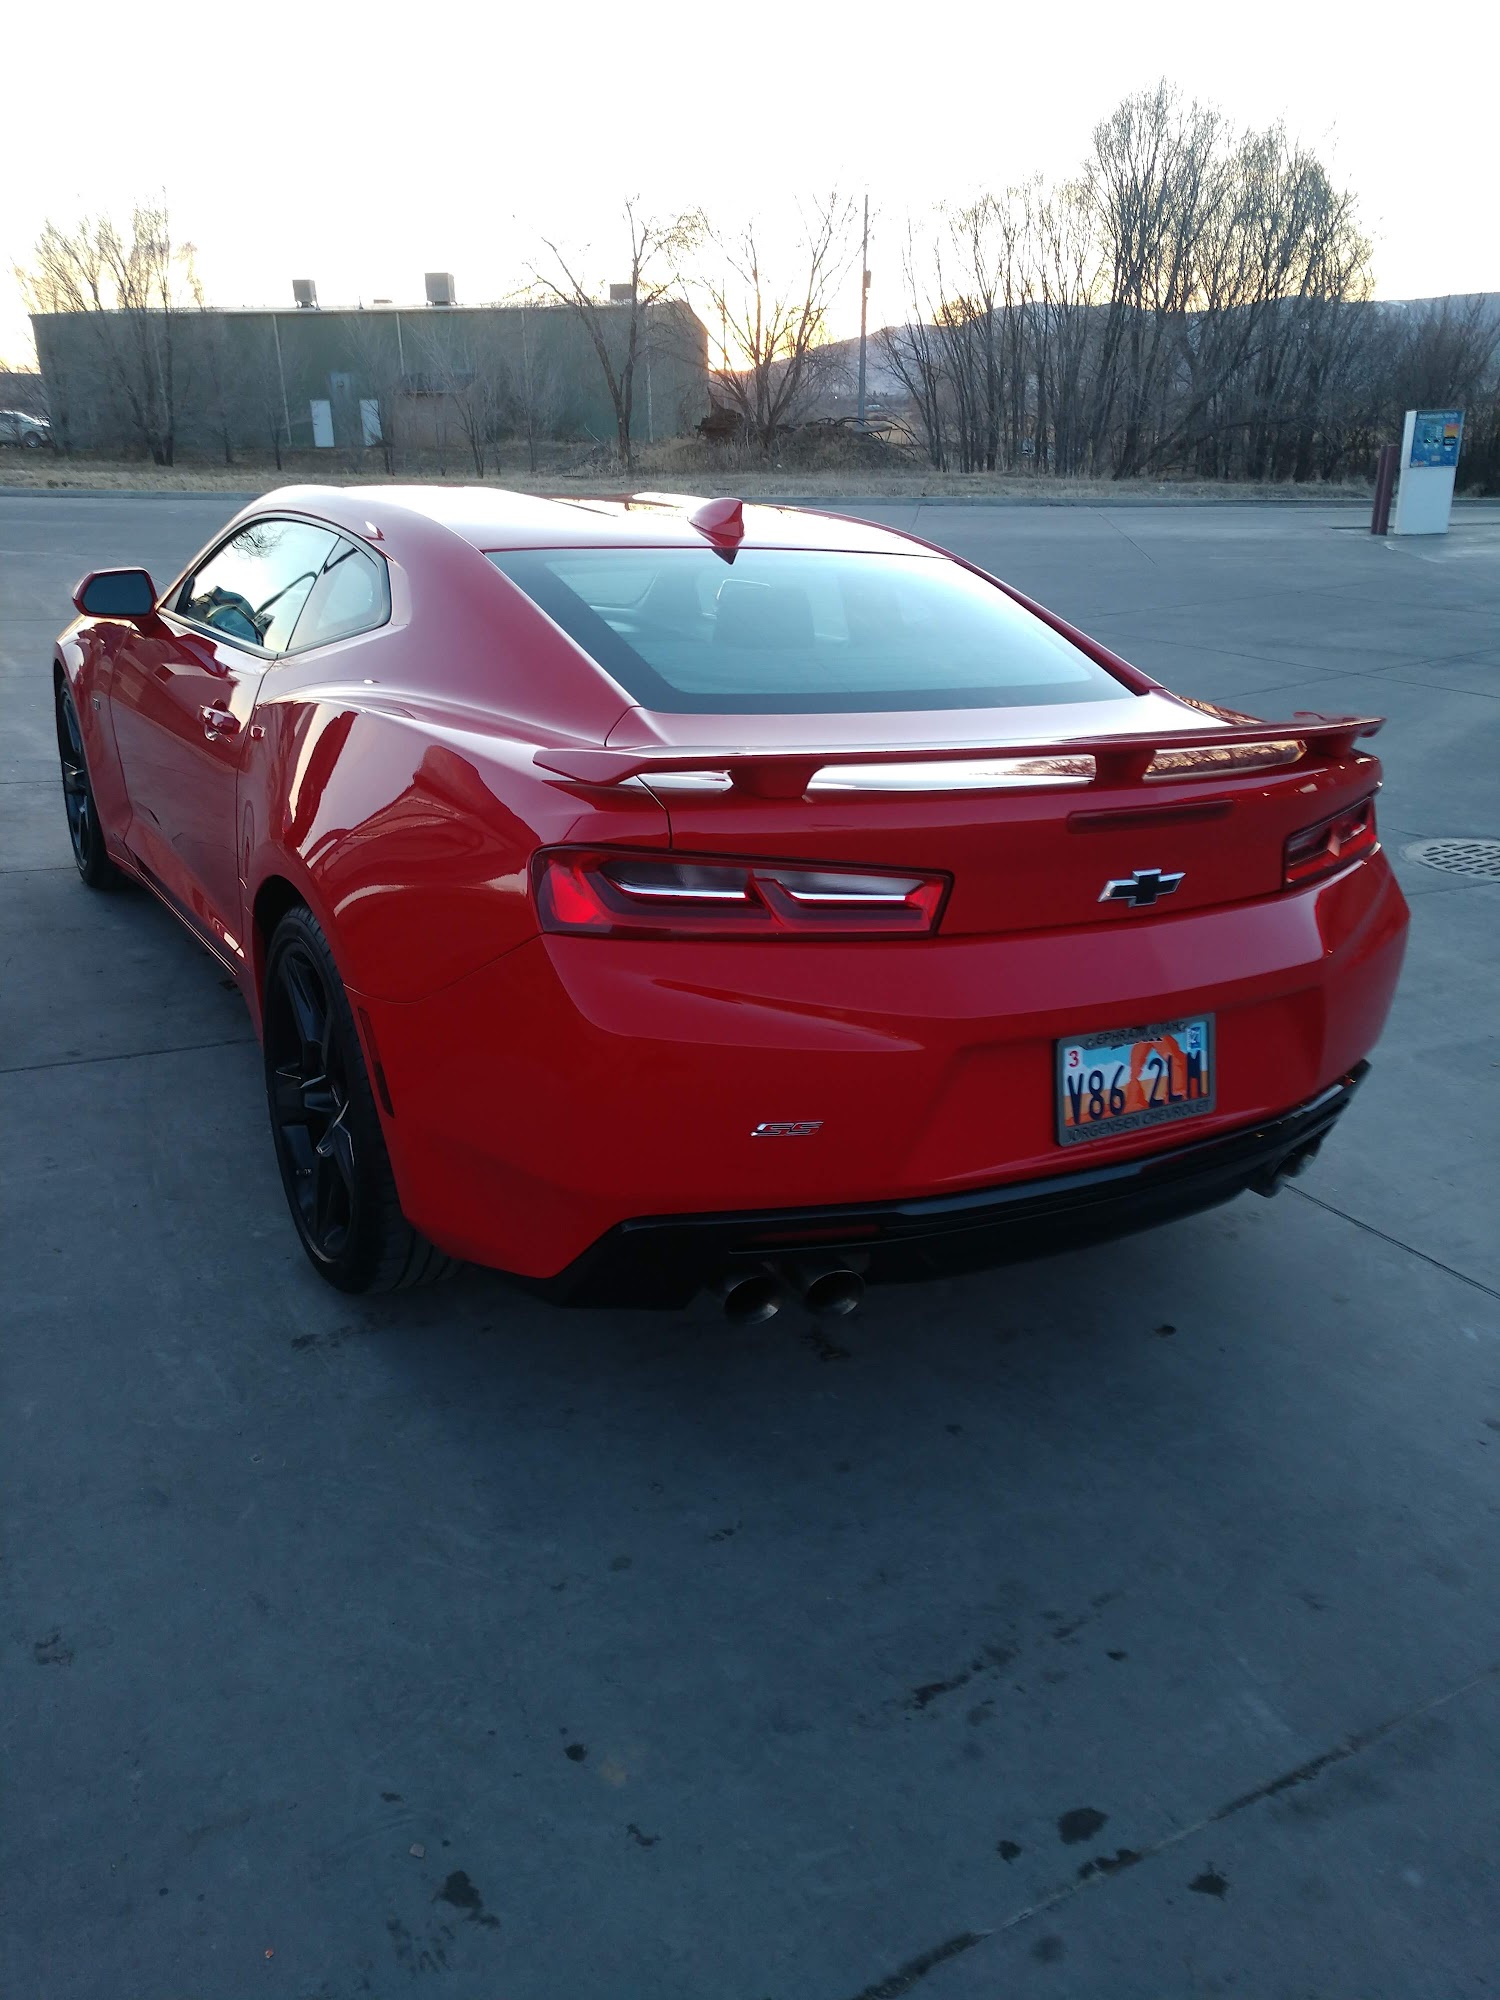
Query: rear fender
x=409 y=838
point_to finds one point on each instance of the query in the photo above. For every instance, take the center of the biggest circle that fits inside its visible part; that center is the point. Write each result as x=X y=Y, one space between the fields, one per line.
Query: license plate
x=1128 y=1078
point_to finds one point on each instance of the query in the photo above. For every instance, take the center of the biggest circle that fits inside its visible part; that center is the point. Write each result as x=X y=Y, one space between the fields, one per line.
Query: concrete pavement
x=1118 y=1627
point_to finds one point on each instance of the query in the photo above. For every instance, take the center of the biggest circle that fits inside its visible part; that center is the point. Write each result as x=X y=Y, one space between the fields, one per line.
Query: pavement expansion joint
x=1396 y=1243
x=1103 y=1867
x=127 y=1055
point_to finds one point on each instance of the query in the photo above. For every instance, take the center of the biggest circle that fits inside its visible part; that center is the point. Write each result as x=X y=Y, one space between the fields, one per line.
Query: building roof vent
x=621 y=295
x=305 y=292
x=440 y=289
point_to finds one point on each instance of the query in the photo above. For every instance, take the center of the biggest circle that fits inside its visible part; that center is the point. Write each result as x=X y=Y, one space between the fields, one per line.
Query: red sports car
x=648 y=894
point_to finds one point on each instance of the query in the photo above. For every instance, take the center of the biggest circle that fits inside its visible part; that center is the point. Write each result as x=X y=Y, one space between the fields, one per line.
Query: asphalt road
x=1124 y=1625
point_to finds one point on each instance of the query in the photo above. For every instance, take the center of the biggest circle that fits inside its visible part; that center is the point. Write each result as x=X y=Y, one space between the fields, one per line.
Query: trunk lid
x=1034 y=855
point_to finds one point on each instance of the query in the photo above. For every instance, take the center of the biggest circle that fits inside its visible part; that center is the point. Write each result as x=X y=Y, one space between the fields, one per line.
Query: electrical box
x=1429 y=463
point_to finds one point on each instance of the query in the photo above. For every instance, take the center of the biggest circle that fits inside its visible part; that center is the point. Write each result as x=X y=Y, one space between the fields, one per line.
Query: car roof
x=490 y=518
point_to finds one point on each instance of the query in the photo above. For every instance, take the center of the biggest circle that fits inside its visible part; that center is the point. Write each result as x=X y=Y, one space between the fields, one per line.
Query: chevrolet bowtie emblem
x=1142 y=889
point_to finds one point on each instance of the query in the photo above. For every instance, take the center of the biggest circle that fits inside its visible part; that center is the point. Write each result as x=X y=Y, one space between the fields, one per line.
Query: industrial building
x=432 y=377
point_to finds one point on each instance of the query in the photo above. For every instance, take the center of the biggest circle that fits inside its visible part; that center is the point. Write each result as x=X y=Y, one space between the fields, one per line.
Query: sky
x=363 y=145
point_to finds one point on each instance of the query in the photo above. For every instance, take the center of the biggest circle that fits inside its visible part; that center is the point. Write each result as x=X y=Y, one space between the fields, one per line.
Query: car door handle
x=218 y=721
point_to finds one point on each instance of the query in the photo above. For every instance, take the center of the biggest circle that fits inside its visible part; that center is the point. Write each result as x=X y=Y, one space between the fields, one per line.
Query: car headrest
x=762 y=614
x=673 y=596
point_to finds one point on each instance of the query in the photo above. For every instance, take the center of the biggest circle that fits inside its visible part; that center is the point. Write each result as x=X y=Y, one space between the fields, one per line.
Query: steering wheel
x=235 y=620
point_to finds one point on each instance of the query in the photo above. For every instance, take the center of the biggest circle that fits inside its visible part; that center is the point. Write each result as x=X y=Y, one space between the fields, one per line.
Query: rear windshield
x=808 y=631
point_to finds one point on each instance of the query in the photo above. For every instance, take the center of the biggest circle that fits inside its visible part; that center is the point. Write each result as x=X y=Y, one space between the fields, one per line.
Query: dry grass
x=679 y=465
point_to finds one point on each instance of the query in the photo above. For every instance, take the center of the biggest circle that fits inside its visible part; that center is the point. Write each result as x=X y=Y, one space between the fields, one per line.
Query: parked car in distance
x=644 y=895
x=31 y=433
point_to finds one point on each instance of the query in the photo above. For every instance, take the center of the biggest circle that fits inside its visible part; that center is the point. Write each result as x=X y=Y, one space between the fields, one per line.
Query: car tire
x=325 y=1126
x=31 y=442
x=84 y=831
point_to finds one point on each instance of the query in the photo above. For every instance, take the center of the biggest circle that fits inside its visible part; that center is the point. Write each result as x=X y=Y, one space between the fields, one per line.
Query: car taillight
x=607 y=892
x=1332 y=844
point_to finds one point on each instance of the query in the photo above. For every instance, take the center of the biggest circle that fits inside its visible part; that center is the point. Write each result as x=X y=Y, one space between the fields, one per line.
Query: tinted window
x=352 y=595
x=808 y=631
x=253 y=588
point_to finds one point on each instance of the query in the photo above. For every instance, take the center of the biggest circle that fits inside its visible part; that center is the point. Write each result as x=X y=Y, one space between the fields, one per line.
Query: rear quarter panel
x=391 y=780
x=409 y=839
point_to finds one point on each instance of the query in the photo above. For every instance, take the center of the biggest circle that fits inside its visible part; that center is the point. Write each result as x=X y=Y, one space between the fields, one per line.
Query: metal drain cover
x=1479 y=858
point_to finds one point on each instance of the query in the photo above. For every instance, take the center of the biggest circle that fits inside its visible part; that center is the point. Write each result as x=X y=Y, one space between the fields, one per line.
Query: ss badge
x=787 y=1128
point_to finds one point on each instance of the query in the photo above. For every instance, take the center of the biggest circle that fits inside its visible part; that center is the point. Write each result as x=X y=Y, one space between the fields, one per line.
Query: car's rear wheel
x=329 y=1145
x=84 y=830
x=31 y=441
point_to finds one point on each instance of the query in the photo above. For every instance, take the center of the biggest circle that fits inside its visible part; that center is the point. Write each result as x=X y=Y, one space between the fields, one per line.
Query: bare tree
x=264 y=387
x=374 y=347
x=132 y=289
x=915 y=354
x=225 y=383
x=621 y=332
x=1155 y=185
x=534 y=390
x=1197 y=299
x=1061 y=313
x=467 y=372
x=775 y=328
x=1446 y=351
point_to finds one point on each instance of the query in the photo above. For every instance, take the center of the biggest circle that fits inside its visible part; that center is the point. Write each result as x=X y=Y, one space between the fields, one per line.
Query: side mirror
x=116 y=593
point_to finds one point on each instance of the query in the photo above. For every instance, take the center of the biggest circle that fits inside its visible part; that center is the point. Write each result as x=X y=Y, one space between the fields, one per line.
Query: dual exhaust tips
x=753 y=1293
x=1272 y=1178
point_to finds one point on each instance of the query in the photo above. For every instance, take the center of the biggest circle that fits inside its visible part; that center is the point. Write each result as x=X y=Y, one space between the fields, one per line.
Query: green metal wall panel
x=253 y=376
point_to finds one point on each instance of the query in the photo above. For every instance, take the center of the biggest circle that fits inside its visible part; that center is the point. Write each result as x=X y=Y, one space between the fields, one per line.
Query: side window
x=253 y=587
x=352 y=595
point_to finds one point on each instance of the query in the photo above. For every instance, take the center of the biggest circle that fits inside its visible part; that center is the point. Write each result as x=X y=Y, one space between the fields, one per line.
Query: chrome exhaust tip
x=835 y=1295
x=828 y=1289
x=1274 y=1178
x=750 y=1297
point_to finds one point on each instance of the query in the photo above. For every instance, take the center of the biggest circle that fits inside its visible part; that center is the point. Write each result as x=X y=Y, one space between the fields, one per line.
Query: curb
x=1481 y=507
x=123 y=493
x=833 y=500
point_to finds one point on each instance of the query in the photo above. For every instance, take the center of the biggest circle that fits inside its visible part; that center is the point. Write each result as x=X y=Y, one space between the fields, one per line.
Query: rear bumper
x=543 y=1104
x=665 y=1260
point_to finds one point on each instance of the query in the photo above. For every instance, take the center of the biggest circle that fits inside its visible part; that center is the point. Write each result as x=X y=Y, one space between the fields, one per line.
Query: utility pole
x=864 y=302
x=286 y=415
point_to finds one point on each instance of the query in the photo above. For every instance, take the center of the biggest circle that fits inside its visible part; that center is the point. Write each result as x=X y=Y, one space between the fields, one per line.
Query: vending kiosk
x=1429 y=460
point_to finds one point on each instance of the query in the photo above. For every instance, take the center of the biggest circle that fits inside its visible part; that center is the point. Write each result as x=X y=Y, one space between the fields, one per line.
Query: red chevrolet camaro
x=643 y=895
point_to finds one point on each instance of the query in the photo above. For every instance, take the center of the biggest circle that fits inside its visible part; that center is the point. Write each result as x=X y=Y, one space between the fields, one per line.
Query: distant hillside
x=838 y=362
x=840 y=358
x=1282 y=387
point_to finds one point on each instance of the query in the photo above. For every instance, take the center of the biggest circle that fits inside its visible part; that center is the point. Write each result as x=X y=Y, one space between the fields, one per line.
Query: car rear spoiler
x=1118 y=760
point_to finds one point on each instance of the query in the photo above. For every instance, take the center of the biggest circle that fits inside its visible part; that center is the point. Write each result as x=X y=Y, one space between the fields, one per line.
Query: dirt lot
x=678 y=466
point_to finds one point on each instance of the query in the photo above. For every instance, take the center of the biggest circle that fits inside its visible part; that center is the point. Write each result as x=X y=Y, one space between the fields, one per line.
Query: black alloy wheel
x=310 y=1100
x=329 y=1145
x=93 y=862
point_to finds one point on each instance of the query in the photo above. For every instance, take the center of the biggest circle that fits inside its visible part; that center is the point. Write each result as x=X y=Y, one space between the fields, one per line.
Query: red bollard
x=1385 y=486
